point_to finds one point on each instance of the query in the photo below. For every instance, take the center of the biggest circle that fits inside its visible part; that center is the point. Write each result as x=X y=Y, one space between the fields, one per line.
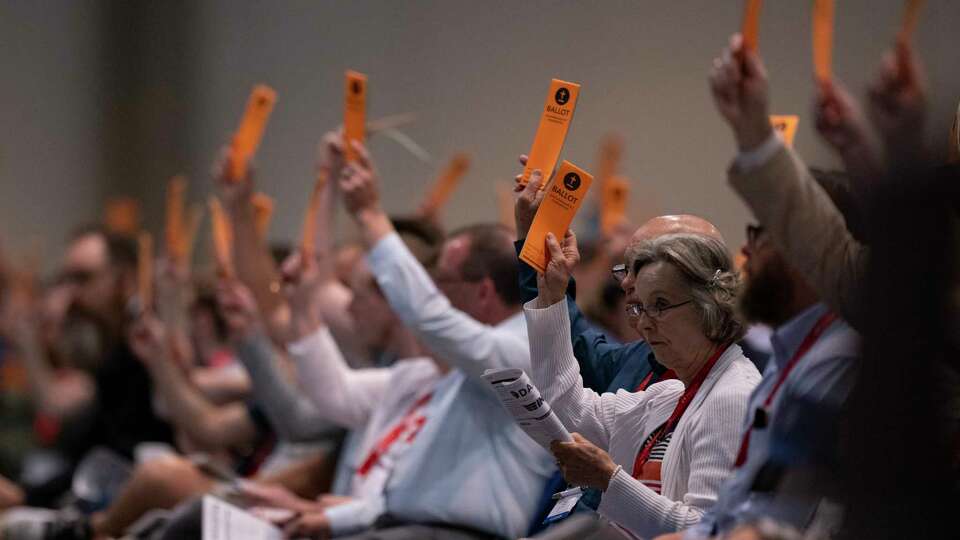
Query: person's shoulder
x=839 y=341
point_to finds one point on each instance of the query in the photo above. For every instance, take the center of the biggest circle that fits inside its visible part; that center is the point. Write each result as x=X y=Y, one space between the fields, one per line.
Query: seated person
x=678 y=438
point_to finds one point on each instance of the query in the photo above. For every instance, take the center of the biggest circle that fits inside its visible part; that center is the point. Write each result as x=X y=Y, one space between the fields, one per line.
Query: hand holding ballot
x=552 y=284
x=839 y=119
x=528 y=199
x=738 y=81
x=583 y=463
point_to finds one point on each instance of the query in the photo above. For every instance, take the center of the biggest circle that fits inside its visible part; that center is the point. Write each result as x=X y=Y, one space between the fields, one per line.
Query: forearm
x=374 y=225
x=355 y=516
x=555 y=372
x=308 y=478
x=807 y=227
x=343 y=395
x=254 y=264
x=452 y=334
x=189 y=410
x=293 y=415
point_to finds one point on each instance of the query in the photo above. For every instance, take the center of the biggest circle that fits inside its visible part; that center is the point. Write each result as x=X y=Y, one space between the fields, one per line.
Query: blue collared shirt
x=823 y=376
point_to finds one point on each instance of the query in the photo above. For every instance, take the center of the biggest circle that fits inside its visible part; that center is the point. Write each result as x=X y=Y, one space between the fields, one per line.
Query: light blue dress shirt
x=824 y=375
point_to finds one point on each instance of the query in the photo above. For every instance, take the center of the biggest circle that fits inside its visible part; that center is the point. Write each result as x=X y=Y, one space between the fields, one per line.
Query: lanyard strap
x=648 y=380
x=688 y=394
x=410 y=421
x=818 y=329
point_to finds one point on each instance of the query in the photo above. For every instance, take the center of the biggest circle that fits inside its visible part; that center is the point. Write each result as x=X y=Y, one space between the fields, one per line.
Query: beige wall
x=476 y=72
x=50 y=140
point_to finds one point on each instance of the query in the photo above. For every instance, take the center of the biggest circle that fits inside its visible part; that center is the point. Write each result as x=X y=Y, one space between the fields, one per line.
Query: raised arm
x=453 y=335
x=343 y=395
x=211 y=427
x=600 y=359
x=254 y=264
x=294 y=416
x=553 y=367
x=778 y=187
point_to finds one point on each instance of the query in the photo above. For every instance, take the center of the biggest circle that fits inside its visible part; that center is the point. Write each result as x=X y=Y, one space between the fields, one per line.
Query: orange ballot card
x=552 y=131
x=445 y=184
x=750 y=30
x=173 y=231
x=559 y=206
x=911 y=16
x=262 y=213
x=614 y=193
x=145 y=270
x=222 y=238
x=786 y=126
x=354 y=111
x=822 y=39
x=248 y=135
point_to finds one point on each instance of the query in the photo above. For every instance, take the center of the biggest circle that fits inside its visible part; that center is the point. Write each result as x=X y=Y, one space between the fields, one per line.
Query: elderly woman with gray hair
x=659 y=455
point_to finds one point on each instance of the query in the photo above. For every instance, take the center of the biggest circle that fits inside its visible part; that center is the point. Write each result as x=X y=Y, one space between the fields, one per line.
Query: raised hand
x=527 y=199
x=738 y=82
x=838 y=117
x=583 y=463
x=359 y=183
x=148 y=339
x=898 y=98
x=301 y=282
x=232 y=193
x=552 y=284
x=239 y=309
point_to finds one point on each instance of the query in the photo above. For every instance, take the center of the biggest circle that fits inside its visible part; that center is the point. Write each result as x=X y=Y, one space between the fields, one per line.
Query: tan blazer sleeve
x=806 y=226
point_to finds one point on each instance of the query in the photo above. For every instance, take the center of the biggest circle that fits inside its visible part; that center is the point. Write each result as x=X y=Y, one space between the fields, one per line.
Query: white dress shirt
x=470 y=464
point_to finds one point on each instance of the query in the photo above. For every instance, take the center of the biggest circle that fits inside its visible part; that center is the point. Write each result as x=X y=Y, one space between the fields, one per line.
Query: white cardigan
x=703 y=447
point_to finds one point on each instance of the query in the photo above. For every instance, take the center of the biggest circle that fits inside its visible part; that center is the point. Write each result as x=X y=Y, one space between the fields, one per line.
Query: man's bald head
x=677 y=224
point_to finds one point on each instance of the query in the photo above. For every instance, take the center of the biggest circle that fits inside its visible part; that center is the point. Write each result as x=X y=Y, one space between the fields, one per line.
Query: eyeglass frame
x=619 y=272
x=634 y=311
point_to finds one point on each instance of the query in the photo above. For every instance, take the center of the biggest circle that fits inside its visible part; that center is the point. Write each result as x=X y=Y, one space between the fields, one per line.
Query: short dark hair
x=492 y=255
x=121 y=250
x=837 y=186
x=422 y=237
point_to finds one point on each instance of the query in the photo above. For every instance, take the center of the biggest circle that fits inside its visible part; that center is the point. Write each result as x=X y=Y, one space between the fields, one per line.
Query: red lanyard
x=644 y=455
x=648 y=380
x=818 y=329
x=411 y=421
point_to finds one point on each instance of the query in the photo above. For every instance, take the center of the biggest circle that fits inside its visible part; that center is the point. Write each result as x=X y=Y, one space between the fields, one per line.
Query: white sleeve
x=355 y=516
x=345 y=396
x=453 y=335
x=554 y=370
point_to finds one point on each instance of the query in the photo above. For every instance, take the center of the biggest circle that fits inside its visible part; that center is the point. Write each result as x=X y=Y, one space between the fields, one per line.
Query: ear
x=487 y=292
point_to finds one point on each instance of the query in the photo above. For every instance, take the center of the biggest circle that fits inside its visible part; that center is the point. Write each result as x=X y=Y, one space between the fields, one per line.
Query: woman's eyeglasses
x=654 y=312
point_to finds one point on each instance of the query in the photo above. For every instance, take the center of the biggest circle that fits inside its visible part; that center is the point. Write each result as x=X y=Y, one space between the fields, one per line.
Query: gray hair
x=708 y=269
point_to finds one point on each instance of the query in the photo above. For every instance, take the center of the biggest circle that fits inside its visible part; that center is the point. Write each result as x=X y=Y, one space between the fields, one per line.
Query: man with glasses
x=99 y=275
x=788 y=448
